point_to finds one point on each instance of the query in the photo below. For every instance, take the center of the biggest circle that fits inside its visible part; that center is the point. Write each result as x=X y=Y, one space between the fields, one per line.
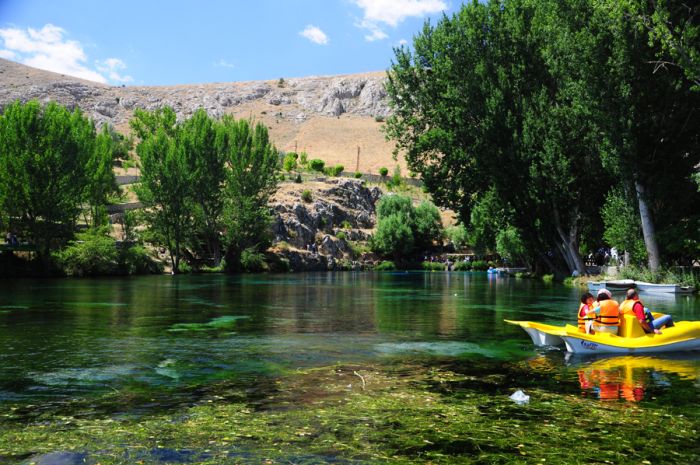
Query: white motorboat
x=664 y=288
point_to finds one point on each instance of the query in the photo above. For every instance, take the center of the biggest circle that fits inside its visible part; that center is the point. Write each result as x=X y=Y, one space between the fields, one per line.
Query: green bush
x=290 y=161
x=253 y=261
x=317 y=165
x=346 y=224
x=358 y=175
x=137 y=260
x=548 y=278
x=462 y=266
x=457 y=235
x=386 y=265
x=298 y=179
x=184 y=268
x=433 y=266
x=306 y=196
x=396 y=179
x=383 y=171
x=335 y=170
x=304 y=159
x=92 y=253
x=342 y=236
x=379 y=118
x=479 y=265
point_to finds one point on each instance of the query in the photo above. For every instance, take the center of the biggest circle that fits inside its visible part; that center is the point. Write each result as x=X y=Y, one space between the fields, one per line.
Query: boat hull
x=582 y=346
x=664 y=288
x=683 y=336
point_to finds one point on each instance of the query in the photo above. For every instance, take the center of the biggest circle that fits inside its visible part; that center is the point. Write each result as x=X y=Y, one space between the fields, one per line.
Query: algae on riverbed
x=375 y=414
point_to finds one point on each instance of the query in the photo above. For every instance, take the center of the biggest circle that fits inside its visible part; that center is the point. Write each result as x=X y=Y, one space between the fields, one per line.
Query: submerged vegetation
x=416 y=414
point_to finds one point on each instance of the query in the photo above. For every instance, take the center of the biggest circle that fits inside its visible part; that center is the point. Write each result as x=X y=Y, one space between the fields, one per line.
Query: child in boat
x=607 y=312
x=586 y=313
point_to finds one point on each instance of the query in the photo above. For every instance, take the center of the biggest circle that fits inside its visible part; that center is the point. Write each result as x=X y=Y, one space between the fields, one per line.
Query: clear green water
x=158 y=345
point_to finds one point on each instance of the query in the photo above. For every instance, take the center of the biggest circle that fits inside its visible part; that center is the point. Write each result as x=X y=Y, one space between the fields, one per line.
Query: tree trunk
x=569 y=245
x=647 y=228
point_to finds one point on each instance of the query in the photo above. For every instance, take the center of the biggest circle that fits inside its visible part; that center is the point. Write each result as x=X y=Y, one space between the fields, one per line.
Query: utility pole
x=357 y=166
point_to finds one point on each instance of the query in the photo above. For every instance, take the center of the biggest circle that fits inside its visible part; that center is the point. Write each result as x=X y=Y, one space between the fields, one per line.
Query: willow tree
x=497 y=97
x=43 y=154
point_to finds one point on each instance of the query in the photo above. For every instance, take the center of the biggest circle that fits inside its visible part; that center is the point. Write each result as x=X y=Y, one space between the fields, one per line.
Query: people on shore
x=607 y=319
x=586 y=313
x=633 y=306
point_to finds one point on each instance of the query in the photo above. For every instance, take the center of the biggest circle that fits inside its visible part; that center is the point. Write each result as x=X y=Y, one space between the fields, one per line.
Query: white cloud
x=315 y=35
x=7 y=54
x=221 y=63
x=111 y=67
x=403 y=42
x=46 y=48
x=393 y=12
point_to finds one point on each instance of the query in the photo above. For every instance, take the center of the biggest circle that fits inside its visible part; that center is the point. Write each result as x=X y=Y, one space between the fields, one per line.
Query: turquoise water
x=168 y=339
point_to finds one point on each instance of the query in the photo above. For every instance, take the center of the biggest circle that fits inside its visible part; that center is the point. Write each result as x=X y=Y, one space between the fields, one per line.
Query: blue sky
x=162 y=42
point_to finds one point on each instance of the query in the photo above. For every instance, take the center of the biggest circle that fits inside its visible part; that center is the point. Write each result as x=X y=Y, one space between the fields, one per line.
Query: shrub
x=428 y=225
x=317 y=165
x=396 y=180
x=433 y=266
x=548 y=278
x=290 y=161
x=479 y=265
x=457 y=235
x=298 y=179
x=358 y=175
x=304 y=159
x=346 y=224
x=281 y=83
x=379 y=118
x=462 y=266
x=386 y=265
x=306 y=196
x=93 y=253
x=184 y=268
x=253 y=261
x=383 y=171
x=342 y=236
x=137 y=260
x=335 y=170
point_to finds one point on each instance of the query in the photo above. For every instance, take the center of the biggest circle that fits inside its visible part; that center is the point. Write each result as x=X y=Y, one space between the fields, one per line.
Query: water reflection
x=633 y=378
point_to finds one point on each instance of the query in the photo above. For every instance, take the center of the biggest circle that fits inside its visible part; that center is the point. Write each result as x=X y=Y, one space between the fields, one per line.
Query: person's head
x=632 y=294
x=587 y=298
x=604 y=294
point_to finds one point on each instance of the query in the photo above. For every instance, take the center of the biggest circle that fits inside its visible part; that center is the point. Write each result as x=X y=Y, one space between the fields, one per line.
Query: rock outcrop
x=356 y=94
x=313 y=235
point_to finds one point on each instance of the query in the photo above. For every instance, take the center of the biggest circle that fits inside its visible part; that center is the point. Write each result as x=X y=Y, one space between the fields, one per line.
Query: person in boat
x=586 y=313
x=607 y=319
x=633 y=306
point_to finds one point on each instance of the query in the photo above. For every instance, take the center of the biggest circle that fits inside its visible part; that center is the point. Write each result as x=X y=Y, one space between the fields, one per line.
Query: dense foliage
x=200 y=177
x=402 y=229
x=521 y=115
x=52 y=162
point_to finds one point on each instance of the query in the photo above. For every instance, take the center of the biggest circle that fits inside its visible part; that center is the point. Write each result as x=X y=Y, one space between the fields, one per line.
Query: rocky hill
x=329 y=117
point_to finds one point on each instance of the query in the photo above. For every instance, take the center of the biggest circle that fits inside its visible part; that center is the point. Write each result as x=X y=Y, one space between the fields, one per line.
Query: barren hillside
x=329 y=117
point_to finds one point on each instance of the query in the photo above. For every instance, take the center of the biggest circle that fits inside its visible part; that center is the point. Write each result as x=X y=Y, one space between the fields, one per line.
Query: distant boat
x=664 y=288
x=620 y=284
x=595 y=286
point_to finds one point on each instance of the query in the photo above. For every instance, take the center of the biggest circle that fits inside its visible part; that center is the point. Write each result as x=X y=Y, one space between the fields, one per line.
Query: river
x=127 y=349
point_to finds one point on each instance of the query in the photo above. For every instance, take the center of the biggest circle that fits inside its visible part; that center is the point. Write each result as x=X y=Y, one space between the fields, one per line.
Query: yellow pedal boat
x=683 y=336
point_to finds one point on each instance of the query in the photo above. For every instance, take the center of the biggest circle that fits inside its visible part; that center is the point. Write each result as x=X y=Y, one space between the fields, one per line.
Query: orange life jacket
x=609 y=313
x=584 y=316
x=627 y=306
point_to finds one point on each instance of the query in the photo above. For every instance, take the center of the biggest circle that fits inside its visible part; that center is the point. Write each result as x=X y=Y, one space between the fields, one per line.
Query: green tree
x=202 y=142
x=166 y=181
x=428 y=225
x=653 y=122
x=252 y=178
x=100 y=173
x=499 y=96
x=43 y=154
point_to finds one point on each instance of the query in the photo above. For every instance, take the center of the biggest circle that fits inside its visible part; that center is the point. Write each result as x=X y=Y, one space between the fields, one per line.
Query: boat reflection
x=629 y=377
